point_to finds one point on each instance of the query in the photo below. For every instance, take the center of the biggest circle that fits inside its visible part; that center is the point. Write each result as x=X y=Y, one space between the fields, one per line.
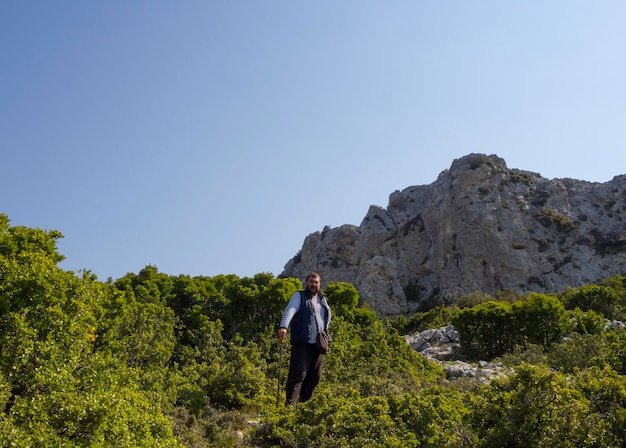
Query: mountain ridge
x=480 y=226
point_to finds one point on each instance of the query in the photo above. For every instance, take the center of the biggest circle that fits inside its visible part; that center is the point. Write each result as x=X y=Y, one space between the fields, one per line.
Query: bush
x=486 y=330
x=600 y=299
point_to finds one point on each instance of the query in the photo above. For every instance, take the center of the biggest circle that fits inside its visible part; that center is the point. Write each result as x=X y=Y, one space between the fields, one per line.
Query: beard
x=312 y=291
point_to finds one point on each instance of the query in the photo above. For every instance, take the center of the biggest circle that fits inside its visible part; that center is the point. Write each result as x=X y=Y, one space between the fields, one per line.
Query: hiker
x=306 y=312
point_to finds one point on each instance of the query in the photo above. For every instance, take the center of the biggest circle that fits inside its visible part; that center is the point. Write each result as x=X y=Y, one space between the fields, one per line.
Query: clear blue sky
x=211 y=137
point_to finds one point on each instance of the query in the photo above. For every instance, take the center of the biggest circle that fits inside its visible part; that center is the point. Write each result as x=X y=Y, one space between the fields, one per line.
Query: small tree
x=343 y=298
x=535 y=407
x=541 y=319
x=601 y=299
x=486 y=330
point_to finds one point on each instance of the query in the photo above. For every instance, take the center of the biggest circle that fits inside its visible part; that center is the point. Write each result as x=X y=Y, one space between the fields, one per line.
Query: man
x=306 y=312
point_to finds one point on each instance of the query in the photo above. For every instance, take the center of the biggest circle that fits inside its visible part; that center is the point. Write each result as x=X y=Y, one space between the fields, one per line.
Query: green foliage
x=486 y=330
x=588 y=322
x=540 y=407
x=605 y=419
x=472 y=299
x=344 y=298
x=616 y=342
x=549 y=216
x=432 y=417
x=574 y=353
x=492 y=329
x=618 y=284
x=534 y=407
x=239 y=380
x=579 y=352
x=527 y=354
x=374 y=361
x=600 y=299
x=158 y=360
x=57 y=387
x=428 y=418
x=509 y=296
x=437 y=317
x=216 y=429
x=540 y=319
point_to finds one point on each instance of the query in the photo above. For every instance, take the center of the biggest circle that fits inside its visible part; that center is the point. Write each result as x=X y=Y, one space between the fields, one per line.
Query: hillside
x=481 y=226
x=155 y=360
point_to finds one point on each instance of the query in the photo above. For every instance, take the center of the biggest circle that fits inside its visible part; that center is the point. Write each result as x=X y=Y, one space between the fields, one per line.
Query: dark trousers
x=305 y=372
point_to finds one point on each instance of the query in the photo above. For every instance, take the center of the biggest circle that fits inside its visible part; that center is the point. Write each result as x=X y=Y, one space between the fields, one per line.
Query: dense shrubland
x=152 y=359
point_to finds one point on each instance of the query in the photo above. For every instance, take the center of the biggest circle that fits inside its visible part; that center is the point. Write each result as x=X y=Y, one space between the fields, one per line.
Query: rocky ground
x=441 y=345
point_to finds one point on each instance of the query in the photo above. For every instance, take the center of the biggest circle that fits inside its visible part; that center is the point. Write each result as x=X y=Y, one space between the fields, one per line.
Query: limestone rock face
x=479 y=227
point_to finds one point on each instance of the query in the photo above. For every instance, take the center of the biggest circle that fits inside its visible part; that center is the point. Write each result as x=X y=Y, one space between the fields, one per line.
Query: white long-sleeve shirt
x=294 y=305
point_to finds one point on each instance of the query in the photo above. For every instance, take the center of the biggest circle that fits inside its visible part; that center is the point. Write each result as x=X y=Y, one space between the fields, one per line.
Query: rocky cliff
x=479 y=227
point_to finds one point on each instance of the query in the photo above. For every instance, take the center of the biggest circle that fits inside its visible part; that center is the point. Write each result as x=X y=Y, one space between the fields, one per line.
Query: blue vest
x=303 y=322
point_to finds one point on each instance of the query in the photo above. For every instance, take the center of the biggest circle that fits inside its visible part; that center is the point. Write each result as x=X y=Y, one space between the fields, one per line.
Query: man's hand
x=282 y=332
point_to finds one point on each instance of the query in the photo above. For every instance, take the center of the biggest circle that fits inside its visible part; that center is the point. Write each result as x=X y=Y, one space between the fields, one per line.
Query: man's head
x=313 y=283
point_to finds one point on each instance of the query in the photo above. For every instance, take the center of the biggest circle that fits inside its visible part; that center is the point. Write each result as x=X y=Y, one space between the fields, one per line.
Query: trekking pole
x=280 y=369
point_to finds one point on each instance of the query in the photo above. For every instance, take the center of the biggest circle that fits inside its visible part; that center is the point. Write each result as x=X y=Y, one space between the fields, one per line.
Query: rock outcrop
x=440 y=346
x=479 y=227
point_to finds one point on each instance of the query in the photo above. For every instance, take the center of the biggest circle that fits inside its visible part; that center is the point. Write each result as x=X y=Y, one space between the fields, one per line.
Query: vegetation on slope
x=152 y=359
